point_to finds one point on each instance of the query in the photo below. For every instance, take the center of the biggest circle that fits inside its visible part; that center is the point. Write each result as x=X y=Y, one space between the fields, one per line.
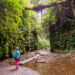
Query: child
x=16 y=55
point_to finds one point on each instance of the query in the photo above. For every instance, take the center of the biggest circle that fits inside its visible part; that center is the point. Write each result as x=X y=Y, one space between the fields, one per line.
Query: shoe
x=17 y=68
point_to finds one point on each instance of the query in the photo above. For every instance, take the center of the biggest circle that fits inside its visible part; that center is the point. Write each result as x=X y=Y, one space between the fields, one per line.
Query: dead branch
x=28 y=60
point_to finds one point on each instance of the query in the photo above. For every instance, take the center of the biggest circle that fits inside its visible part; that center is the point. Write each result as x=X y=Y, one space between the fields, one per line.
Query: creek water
x=58 y=67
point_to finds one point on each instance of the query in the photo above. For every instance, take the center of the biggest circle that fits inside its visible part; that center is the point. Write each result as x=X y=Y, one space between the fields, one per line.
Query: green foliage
x=17 y=27
x=33 y=36
x=0 y=53
x=61 y=33
x=6 y=51
x=43 y=43
x=13 y=19
x=62 y=41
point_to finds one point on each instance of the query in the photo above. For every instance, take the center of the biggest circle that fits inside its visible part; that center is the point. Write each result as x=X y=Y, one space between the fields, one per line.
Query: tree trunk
x=73 y=6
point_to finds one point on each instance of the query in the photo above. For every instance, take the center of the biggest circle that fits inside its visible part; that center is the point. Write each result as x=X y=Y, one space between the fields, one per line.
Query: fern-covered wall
x=16 y=27
x=62 y=28
x=19 y=27
x=62 y=40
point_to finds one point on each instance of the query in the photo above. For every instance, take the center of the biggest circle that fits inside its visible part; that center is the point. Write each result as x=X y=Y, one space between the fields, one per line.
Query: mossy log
x=40 y=7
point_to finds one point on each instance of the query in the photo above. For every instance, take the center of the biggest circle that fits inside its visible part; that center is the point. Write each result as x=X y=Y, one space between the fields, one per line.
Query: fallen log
x=40 y=7
x=28 y=60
